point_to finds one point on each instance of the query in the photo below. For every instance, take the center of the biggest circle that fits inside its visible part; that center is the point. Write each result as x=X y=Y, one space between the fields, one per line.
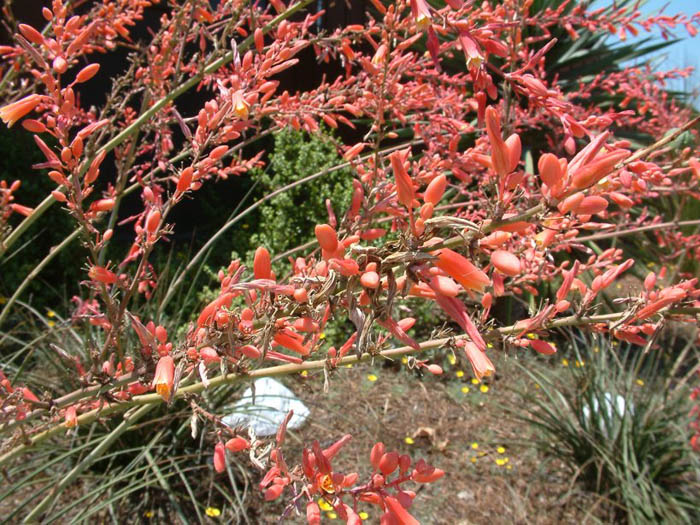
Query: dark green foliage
x=288 y=220
x=59 y=279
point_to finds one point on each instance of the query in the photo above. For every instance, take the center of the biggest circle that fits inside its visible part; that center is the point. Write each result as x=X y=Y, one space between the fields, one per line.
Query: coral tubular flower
x=219 y=457
x=71 y=417
x=461 y=270
x=327 y=237
x=471 y=49
x=481 y=364
x=16 y=110
x=551 y=173
x=458 y=312
x=500 y=154
x=102 y=275
x=435 y=190
x=591 y=173
x=292 y=341
x=237 y=444
x=394 y=327
x=421 y=12
x=240 y=106
x=506 y=263
x=404 y=184
x=164 y=377
x=262 y=267
x=313 y=513
x=543 y=347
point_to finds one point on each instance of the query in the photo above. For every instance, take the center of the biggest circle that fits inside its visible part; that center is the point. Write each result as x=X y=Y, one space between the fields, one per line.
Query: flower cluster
x=478 y=173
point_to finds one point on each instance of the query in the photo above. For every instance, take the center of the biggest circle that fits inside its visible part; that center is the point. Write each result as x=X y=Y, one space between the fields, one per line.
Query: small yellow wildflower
x=640 y=382
x=349 y=365
x=473 y=459
x=475 y=445
x=322 y=335
x=596 y=349
x=372 y=377
x=509 y=467
x=650 y=264
x=404 y=360
x=537 y=385
x=618 y=286
x=452 y=359
x=324 y=505
x=213 y=512
x=304 y=373
x=408 y=440
x=51 y=324
x=483 y=389
x=465 y=390
x=475 y=381
x=500 y=462
x=530 y=335
x=363 y=515
x=489 y=345
x=50 y=313
x=332 y=515
x=459 y=373
x=564 y=362
x=149 y=514
x=579 y=364
x=501 y=450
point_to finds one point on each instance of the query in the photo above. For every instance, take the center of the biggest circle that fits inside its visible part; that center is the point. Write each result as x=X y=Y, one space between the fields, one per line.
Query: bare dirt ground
x=493 y=473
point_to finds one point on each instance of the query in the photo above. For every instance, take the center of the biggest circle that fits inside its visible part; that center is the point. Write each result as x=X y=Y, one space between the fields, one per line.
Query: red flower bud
x=327 y=237
x=262 y=267
x=506 y=263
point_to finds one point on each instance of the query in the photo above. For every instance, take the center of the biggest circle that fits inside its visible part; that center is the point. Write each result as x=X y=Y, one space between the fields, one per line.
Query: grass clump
x=618 y=420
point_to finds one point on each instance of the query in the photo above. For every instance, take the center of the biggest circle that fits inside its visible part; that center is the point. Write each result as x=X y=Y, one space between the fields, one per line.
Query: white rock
x=273 y=401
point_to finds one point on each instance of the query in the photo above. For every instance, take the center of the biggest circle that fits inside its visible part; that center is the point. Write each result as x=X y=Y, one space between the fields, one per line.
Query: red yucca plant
x=433 y=215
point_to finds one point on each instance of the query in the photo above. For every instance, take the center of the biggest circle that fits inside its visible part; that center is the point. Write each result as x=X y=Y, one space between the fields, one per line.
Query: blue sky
x=681 y=54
